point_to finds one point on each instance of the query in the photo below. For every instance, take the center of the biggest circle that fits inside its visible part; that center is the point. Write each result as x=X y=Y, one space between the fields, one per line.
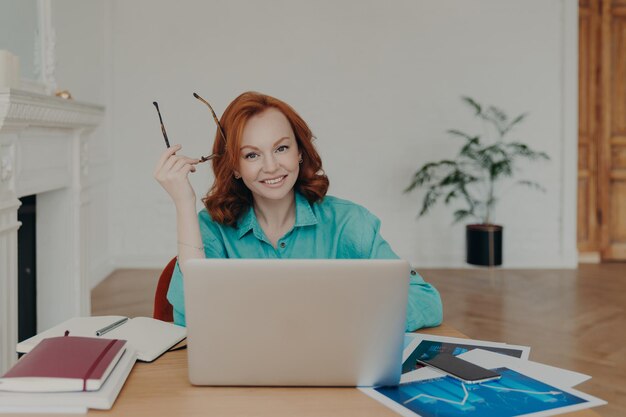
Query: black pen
x=111 y=326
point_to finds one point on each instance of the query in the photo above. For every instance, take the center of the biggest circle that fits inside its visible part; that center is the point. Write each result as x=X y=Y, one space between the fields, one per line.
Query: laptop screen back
x=295 y=322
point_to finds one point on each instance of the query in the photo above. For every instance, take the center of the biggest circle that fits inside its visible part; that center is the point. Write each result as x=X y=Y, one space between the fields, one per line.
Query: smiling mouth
x=274 y=180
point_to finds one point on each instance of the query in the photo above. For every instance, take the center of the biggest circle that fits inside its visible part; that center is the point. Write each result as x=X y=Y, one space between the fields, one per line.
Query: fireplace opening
x=27 y=268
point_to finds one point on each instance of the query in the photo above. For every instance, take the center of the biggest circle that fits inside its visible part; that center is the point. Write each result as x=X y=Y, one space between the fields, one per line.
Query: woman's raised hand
x=172 y=172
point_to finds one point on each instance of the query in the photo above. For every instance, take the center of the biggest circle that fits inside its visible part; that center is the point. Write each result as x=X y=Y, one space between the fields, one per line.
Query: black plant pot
x=484 y=244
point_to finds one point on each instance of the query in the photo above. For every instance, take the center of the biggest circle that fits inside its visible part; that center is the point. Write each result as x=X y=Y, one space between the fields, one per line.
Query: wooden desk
x=162 y=389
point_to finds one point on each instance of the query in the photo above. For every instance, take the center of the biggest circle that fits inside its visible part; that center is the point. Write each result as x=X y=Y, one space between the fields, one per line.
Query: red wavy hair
x=228 y=198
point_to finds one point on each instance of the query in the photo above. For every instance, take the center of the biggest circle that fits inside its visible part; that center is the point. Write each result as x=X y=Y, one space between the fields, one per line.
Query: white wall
x=83 y=66
x=379 y=84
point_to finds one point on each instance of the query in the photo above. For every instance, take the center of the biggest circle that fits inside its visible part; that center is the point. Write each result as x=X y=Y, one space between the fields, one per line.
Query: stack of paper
x=66 y=363
x=72 y=402
x=82 y=380
x=524 y=388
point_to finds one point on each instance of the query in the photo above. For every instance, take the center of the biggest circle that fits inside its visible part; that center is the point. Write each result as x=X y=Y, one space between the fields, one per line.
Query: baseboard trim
x=589 y=258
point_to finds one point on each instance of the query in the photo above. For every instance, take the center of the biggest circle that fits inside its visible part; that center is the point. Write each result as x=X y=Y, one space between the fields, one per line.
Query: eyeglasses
x=219 y=127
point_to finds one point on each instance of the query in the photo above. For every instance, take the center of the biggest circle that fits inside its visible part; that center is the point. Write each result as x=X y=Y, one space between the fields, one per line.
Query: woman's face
x=269 y=156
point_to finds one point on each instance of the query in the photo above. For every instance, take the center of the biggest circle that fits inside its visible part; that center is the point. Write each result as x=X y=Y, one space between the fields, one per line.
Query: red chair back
x=163 y=310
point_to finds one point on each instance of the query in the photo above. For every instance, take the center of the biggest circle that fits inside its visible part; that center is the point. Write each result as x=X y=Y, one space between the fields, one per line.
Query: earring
x=237 y=176
x=300 y=161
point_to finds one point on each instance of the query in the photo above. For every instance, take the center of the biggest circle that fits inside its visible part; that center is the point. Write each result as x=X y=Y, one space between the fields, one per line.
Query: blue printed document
x=514 y=394
x=525 y=389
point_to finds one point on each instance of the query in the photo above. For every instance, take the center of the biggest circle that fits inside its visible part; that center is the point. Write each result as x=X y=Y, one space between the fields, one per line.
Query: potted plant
x=473 y=179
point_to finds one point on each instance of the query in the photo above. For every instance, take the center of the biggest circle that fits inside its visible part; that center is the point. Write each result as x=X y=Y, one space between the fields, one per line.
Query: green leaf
x=451 y=195
x=501 y=168
x=470 y=201
x=499 y=114
x=430 y=199
x=543 y=155
x=461 y=214
x=531 y=184
x=469 y=149
x=523 y=150
x=477 y=108
x=451 y=178
x=427 y=173
x=484 y=159
x=515 y=121
x=422 y=176
x=497 y=118
x=497 y=151
x=459 y=133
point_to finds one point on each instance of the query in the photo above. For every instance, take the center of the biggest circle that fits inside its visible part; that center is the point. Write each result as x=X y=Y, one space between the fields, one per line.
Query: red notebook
x=65 y=363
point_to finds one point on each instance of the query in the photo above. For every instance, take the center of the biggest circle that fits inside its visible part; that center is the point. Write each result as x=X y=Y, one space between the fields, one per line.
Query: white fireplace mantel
x=44 y=150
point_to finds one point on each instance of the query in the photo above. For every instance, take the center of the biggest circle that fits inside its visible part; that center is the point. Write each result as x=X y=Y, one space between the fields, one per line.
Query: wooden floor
x=574 y=319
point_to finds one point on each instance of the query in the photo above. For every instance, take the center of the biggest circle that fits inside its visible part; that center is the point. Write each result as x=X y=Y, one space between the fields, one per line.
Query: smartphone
x=460 y=369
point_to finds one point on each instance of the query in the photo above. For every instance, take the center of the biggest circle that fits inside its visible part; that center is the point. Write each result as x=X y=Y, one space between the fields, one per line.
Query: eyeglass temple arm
x=217 y=122
x=167 y=142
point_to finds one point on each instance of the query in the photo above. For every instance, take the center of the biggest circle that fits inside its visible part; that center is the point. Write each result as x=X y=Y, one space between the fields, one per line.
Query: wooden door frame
x=608 y=249
x=589 y=248
x=604 y=147
x=595 y=165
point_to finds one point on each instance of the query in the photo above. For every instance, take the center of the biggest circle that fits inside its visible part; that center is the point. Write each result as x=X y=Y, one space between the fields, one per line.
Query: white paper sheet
x=408 y=338
x=472 y=342
x=43 y=410
x=546 y=373
x=420 y=374
x=72 y=402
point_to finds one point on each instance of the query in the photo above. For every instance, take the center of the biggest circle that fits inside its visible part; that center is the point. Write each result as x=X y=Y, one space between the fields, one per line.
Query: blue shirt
x=328 y=229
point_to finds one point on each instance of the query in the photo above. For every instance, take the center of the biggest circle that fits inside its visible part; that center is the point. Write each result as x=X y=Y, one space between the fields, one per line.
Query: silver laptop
x=293 y=322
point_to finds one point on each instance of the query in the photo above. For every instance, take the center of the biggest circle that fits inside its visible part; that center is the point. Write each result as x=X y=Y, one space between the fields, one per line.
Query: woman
x=269 y=201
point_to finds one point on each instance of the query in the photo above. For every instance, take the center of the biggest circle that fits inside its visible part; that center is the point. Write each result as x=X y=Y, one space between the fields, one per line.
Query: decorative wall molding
x=44 y=53
x=23 y=108
x=84 y=158
x=48 y=43
x=7 y=162
x=44 y=144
